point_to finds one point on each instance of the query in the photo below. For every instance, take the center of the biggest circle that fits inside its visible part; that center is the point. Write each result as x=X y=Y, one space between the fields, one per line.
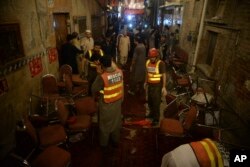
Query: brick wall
x=231 y=57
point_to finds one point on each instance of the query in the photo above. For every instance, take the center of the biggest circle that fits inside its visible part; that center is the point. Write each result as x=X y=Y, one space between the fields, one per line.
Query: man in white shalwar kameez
x=123 y=48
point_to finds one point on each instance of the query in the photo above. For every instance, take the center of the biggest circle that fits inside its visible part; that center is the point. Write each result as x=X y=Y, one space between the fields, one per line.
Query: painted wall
x=231 y=62
x=36 y=25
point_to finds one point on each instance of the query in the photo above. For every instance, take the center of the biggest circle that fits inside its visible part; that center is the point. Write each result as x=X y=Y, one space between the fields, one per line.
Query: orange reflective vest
x=153 y=73
x=92 y=64
x=113 y=86
x=207 y=153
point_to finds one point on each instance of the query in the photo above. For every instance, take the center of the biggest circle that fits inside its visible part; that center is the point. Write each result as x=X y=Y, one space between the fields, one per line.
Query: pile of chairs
x=186 y=102
x=62 y=113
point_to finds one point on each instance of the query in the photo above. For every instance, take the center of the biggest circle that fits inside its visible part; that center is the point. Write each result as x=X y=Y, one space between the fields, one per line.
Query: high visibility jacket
x=113 y=86
x=92 y=64
x=207 y=153
x=153 y=73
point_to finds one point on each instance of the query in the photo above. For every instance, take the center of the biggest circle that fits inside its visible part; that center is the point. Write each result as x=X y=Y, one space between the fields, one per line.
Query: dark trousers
x=154 y=101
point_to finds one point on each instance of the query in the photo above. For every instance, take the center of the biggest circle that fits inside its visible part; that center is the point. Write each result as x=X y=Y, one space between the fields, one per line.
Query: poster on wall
x=35 y=66
x=3 y=86
x=52 y=55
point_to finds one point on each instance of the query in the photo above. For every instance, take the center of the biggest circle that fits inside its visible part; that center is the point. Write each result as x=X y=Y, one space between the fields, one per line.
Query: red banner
x=35 y=66
x=52 y=55
x=3 y=86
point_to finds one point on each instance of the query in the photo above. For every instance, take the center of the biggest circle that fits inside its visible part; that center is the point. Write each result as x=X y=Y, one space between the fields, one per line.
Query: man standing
x=87 y=43
x=123 y=48
x=155 y=84
x=109 y=86
x=92 y=56
x=137 y=68
x=69 y=53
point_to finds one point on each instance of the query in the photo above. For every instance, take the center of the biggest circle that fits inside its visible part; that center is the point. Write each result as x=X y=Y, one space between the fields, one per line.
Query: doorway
x=211 y=47
x=60 y=24
x=96 y=27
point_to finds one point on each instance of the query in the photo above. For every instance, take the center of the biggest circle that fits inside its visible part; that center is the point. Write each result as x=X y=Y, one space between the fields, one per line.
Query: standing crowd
x=102 y=63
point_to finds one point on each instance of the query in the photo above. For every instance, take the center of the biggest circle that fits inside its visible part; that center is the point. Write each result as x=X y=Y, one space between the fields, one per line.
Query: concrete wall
x=231 y=62
x=230 y=66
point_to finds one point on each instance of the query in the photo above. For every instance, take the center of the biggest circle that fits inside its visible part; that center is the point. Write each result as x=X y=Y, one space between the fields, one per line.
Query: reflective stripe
x=112 y=95
x=209 y=153
x=153 y=72
x=92 y=64
x=155 y=79
x=113 y=87
x=217 y=153
x=154 y=75
x=200 y=154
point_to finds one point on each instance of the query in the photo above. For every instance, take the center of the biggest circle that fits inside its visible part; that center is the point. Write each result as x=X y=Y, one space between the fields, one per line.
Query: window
x=81 y=20
x=11 y=47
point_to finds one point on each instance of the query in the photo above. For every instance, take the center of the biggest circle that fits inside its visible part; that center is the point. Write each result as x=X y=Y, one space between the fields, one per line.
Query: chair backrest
x=172 y=108
x=30 y=129
x=190 y=117
x=49 y=84
x=63 y=112
x=65 y=69
x=68 y=83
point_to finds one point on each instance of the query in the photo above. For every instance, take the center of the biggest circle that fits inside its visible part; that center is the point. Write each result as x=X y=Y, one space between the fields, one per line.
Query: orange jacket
x=207 y=153
x=113 y=86
x=153 y=73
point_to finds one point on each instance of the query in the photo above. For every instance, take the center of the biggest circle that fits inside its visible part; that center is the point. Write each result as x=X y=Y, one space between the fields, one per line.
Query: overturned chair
x=73 y=122
x=176 y=131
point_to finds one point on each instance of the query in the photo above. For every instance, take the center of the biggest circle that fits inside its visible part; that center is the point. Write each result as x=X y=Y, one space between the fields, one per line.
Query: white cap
x=88 y=31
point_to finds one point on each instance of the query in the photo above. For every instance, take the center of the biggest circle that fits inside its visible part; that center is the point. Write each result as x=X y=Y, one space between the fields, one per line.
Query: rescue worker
x=93 y=56
x=109 y=86
x=201 y=153
x=155 y=83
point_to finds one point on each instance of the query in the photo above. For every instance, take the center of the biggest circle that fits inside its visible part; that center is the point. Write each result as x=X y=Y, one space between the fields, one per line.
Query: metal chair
x=173 y=127
x=74 y=85
x=85 y=105
x=72 y=122
x=35 y=156
x=48 y=135
x=49 y=86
